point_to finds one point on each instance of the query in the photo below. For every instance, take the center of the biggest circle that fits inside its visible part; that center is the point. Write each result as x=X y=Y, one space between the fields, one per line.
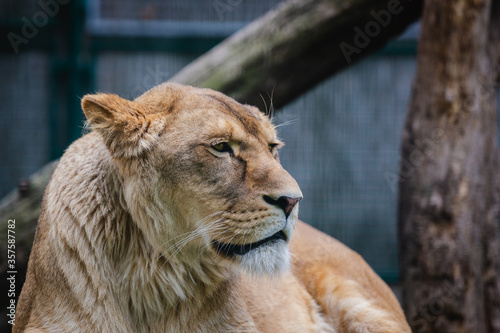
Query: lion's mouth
x=234 y=249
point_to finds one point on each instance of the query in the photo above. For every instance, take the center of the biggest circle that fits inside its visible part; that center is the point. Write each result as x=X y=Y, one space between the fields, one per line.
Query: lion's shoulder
x=342 y=282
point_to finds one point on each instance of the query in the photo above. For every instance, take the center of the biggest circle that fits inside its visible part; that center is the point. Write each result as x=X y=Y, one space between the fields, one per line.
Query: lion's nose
x=283 y=202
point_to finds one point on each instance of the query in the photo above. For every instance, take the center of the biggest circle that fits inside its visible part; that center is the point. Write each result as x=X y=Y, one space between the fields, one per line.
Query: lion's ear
x=125 y=125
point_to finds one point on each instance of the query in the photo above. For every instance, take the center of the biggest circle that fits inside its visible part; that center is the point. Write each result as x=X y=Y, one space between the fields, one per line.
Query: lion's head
x=201 y=174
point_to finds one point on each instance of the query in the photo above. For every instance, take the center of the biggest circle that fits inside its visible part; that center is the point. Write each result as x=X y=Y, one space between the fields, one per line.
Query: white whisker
x=293 y=255
x=187 y=237
x=286 y=123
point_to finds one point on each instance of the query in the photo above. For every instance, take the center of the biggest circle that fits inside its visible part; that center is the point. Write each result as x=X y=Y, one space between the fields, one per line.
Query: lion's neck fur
x=128 y=273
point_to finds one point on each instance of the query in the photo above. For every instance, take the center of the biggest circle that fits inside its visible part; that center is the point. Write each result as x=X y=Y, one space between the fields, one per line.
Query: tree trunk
x=449 y=184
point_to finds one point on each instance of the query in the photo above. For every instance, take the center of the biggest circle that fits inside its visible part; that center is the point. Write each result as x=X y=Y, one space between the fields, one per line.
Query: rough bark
x=297 y=45
x=449 y=183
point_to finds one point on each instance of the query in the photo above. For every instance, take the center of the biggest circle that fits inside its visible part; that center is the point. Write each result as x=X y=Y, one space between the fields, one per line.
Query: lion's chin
x=269 y=260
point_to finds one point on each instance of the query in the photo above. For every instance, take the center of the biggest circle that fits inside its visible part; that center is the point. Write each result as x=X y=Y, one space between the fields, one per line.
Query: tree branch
x=297 y=45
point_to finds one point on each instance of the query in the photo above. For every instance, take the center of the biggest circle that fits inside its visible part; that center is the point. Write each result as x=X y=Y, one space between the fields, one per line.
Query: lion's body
x=129 y=239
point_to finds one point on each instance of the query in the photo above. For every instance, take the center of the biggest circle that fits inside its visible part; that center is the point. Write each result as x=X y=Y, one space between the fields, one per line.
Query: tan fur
x=126 y=241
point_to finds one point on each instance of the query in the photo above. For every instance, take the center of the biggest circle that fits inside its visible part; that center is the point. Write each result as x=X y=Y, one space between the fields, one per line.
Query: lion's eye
x=223 y=147
x=272 y=147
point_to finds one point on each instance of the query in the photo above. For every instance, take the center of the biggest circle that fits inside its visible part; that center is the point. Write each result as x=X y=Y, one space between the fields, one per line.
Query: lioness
x=175 y=215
